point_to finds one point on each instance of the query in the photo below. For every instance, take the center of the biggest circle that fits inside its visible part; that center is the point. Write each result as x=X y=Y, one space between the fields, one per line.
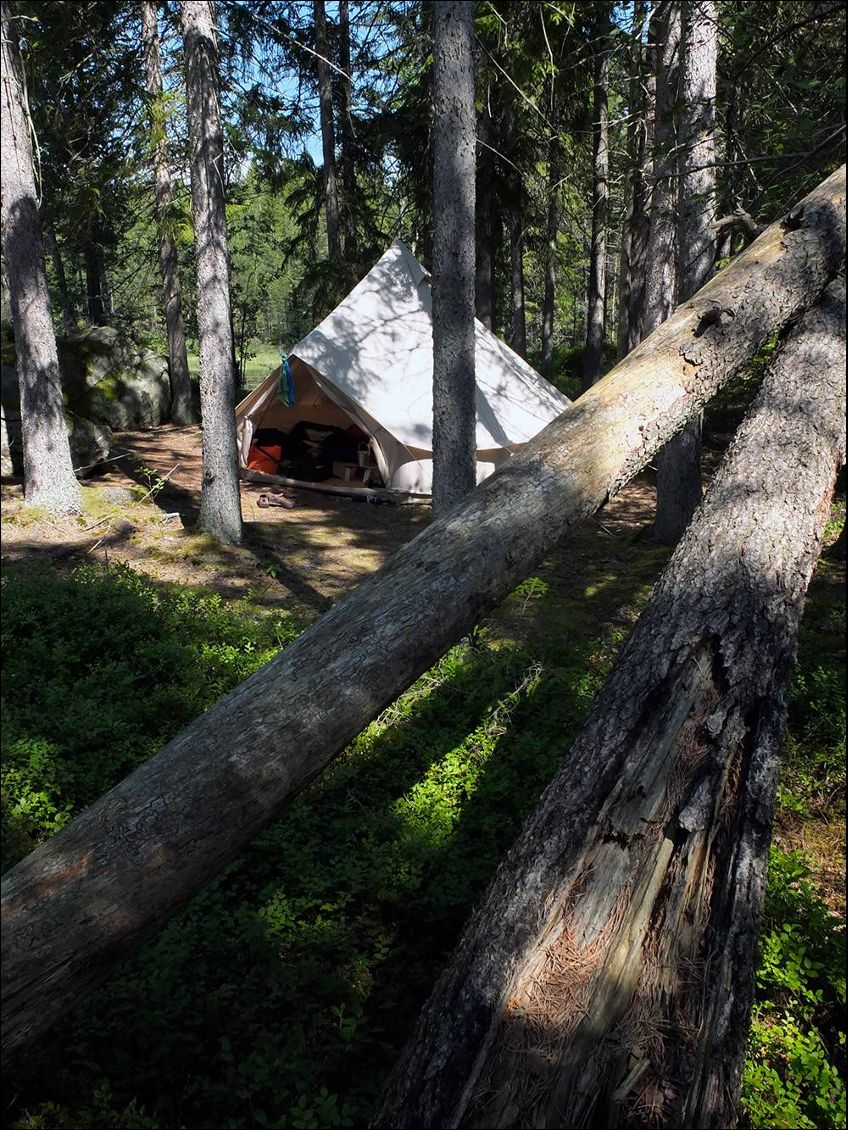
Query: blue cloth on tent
x=285 y=385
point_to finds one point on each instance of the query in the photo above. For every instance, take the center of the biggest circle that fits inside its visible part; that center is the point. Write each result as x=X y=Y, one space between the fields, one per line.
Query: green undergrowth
x=282 y=994
x=796 y=1067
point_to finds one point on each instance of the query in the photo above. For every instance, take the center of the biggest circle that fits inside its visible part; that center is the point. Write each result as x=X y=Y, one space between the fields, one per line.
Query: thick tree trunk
x=552 y=228
x=88 y=897
x=49 y=479
x=454 y=412
x=69 y=316
x=607 y=978
x=346 y=119
x=596 y=300
x=182 y=407
x=518 y=338
x=220 y=501
x=328 y=133
x=660 y=281
x=679 y=462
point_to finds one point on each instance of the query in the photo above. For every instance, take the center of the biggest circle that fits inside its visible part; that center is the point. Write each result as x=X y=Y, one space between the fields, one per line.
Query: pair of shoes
x=276 y=500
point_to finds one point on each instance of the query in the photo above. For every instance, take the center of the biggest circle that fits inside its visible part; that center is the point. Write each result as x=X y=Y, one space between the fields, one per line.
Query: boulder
x=110 y=379
x=11 y=448
x=90 y=440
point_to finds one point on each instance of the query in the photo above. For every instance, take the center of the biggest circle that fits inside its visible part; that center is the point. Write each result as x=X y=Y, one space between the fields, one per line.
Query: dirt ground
x=305 y=558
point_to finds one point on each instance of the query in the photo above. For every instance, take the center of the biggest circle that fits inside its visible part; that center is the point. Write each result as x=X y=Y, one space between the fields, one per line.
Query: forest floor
x=362 y=886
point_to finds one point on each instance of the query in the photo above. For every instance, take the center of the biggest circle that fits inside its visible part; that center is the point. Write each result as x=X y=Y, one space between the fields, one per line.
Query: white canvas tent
x=370 y=363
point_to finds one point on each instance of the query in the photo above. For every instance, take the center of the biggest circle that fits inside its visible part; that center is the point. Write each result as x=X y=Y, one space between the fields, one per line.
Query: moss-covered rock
x=90 y=440
x=108 y=381
x=111 y=380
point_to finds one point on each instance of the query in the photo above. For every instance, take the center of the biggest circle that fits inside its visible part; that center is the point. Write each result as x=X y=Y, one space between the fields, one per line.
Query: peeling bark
x=86 y=899
x=607 y=978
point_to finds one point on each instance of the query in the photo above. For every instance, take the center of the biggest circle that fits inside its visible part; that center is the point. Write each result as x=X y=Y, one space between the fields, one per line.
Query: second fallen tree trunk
x=86 y=899
x=607 y=978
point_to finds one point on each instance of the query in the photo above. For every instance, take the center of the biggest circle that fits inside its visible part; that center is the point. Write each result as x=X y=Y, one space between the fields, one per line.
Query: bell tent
x=353 y=401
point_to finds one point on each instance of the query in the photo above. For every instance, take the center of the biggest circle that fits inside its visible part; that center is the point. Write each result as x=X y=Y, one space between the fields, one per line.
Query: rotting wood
x=86 y=899
x=607 y=978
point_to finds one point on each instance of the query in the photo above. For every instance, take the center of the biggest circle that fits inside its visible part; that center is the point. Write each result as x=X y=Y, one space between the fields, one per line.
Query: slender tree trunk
x=518 y=339
x=93 y=284
x=328 y=133
x=679 y=463
x=731 y=153
x=67 y=924
x=454 y=386
x=640 y=224
x=105 y=286
x=49 y=479
x=634 y=174
x=220 y=501
x=69 y=317
x=552 y=229
x=608 y=976
x=484 y=280
x=660 y=280
x=593 y=354
x=182 y=407
x=347 y=138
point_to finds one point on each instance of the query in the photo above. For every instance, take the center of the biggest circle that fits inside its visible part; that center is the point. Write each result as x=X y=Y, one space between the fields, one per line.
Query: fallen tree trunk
x=87 y=898
x=607 y=978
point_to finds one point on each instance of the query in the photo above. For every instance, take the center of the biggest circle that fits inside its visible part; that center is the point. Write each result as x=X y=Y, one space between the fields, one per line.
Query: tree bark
x=182 y=406
x=347 y=138
x=484 y=279
x=552 y=229
x=49 y=479
x=93 y=262
x=69 y=316
x=518 y=339
x=660 y=282
x=628 y=276
x=730 y=155
x=679 y=487
x=454 y=386
x=328 y=133
x=220 y=501
x=84 y=900
x=640 y=223
x=593 y=354
x=607 y=978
